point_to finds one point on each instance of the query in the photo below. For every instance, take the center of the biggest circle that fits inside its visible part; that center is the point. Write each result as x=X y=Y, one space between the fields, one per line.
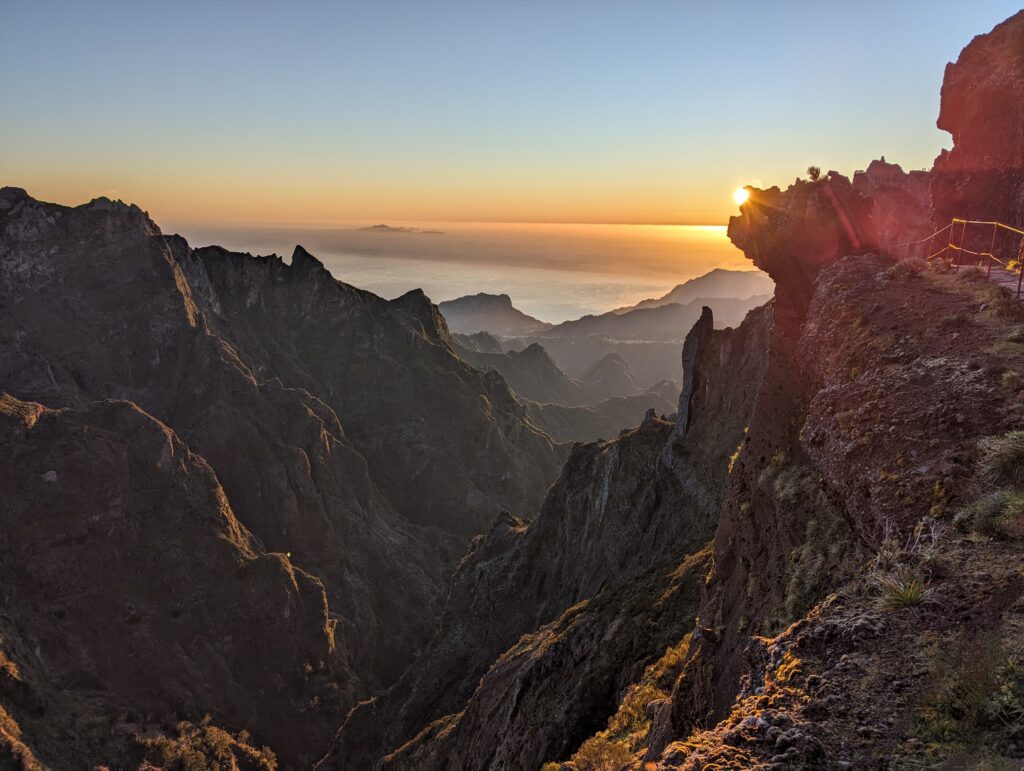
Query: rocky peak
x=418 y=305
x=305 y=262
x=982 y=106
x=902 y=205
x=793 y=234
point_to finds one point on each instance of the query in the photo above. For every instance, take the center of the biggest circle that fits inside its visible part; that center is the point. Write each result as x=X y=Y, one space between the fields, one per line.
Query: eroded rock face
x=129 y=579
x=614 y=528
x=233 y=353
x=902 y=208
x=447 y=444
x=982 y=177
x=792 y=234
x=879 y=384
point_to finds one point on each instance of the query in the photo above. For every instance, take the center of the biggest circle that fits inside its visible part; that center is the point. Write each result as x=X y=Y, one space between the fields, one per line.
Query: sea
x=554 y=272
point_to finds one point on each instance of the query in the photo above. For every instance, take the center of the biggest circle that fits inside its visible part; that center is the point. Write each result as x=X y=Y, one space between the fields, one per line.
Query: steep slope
x=451 y=456
x=866 y=607
x=620 y=523
x=718 y=283
x=129 y=586
x=492 y=313
x=531 y=374
x=478 y=342
x=96 y=304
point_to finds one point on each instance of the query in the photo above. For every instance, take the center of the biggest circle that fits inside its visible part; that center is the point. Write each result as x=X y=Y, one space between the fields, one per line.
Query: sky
x=291 y=113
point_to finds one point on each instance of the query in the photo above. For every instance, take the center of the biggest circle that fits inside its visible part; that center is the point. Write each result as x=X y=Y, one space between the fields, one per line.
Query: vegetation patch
x=998 y=511
x=976 y=703
x=614 y=747
x=816 y=565
x=207 y=747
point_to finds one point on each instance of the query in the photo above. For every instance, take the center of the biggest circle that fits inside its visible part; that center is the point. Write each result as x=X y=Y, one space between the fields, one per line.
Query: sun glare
x=740 y=195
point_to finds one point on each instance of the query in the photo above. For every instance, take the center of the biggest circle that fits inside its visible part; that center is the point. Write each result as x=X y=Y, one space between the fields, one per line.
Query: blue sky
x=556 y=111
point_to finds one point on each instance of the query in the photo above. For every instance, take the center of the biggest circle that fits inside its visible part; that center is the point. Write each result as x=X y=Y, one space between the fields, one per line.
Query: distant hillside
x=609 y=377
x=663 y=322
x=479 y=342
x=492 y=313
x=719 y=283
x=531 y=373
x=604 y=420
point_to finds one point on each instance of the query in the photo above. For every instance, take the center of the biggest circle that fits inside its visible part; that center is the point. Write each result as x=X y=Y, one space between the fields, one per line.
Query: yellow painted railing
x=1009 y=255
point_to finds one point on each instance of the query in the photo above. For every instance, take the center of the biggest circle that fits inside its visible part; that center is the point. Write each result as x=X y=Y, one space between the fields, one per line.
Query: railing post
x=954 y=254
x=992 y=250
x=1020 y=265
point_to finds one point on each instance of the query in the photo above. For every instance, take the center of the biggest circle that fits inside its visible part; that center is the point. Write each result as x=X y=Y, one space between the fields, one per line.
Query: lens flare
x=740 y=195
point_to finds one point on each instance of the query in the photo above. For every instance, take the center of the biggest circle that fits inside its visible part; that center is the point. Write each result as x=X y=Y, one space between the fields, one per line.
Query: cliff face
x=233 y=353
x=128 y=580
x=982 y=177
x=902 y=210
x=447 y=444
x=573 y=595
x=883 y=386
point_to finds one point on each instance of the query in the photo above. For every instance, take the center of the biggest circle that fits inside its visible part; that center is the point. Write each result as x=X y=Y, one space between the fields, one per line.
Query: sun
x=740 y=195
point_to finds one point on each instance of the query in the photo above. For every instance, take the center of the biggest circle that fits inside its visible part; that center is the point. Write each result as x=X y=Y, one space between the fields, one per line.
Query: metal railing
x=1005 y=248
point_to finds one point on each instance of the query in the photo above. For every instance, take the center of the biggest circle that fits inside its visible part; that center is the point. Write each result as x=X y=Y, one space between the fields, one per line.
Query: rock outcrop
x=902 y=209
x=982 y=177
x=126 y=579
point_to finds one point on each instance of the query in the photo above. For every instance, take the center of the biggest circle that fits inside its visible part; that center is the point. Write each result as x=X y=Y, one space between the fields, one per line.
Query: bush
x=957 y=320
x=1012 y=380
x=602 y=754
x=999 y=515
x=908 y=268
x=902 y=588
x=972 y=274
x=1005 y=707
x=1002 y=459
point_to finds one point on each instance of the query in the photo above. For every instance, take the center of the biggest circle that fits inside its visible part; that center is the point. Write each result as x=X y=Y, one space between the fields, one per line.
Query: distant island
x=390 y=229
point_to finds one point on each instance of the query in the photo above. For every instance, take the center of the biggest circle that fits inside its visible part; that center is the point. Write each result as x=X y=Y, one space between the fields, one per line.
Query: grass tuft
x=1002 y=459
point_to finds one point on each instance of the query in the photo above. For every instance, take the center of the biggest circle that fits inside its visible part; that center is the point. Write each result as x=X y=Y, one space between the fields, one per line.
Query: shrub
x=999 y=514
x=1002 y=459
x=205 y=746
x=901 y=588
x=814 y=173
x=1005 y=707
x=1011 y=380
x=955 y=321
x=908 y=268
x=1004 y=303
x=972 y=274
x=599 y=753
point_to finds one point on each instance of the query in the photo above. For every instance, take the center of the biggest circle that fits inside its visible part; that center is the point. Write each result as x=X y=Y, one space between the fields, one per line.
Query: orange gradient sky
x=597 y=112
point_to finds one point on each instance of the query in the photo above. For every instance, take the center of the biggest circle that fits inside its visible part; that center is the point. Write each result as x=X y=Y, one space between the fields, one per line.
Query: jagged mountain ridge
x=95 y=303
